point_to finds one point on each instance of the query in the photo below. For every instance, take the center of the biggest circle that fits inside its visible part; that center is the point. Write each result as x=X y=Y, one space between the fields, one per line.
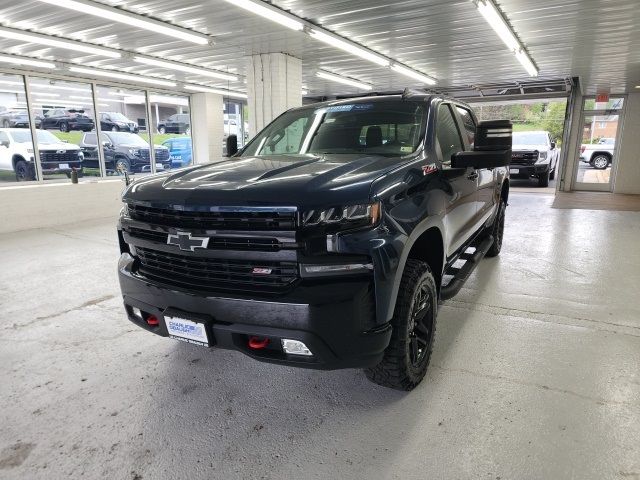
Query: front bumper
x=527 y=171
x=331 y=316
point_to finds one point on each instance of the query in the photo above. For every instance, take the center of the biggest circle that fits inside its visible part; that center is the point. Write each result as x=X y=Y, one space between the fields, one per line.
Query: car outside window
x=24 y=136
x=447 y=134
x=90 y=139
x=530 y=138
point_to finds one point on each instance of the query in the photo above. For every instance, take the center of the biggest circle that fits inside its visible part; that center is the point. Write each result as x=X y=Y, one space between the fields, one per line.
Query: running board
x=460 y=275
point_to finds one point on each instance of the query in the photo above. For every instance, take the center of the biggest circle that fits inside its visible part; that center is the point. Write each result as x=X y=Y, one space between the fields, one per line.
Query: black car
x=17 y=119
x=123 y=151
x=177 y=123
x=328 y=241
x=67 y=120
x=117 y=122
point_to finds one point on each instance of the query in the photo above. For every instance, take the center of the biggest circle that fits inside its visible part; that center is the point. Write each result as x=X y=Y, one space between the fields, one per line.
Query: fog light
x=294 y=347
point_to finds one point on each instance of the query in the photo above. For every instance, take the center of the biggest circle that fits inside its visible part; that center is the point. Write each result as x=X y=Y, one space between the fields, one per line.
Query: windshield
x=529 y=138
x=124 y=138
x=390 y=128
x=118 y=117
x=24 y=136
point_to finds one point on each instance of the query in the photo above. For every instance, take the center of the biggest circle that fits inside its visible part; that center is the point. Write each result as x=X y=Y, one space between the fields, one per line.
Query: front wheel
x=497 y=230
x=543 y=179
x=600 y=162
x=64 y=127
x=24 y=171
x=122 y=166
x=406 y=359
x=162 y=130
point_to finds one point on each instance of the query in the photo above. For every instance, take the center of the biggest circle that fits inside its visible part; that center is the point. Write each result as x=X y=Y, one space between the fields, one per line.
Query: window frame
x=438 y=148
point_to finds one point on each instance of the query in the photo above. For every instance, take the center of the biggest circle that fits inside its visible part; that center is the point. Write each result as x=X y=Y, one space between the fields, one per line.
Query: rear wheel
x=162 y=130
x=5 y=124
x=24 y=171
x=600 y=162
x=406 y=359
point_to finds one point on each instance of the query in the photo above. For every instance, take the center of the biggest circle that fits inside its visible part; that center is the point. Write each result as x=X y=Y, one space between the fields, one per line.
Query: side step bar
x=460 y=275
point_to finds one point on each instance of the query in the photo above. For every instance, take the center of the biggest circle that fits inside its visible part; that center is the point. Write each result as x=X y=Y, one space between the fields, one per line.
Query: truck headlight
x=133 y=151
x=29 y=150
x=542 y=157
x=351 y=215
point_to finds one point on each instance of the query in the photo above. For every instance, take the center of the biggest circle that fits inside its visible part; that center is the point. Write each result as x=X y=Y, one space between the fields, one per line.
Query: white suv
x=16 y=154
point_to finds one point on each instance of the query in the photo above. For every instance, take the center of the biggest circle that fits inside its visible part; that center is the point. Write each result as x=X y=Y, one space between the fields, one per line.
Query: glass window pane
x=16 y=151
x=597 y=152
x=447 y=134
x=65 y=111
x=123 y=121
x=172 y=136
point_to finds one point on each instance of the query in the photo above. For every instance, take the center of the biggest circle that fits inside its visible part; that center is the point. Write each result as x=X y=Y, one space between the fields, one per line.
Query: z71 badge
x=427 y=169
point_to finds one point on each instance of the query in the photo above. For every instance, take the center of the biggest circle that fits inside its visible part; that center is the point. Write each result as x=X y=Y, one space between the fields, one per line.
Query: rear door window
x=469 y=124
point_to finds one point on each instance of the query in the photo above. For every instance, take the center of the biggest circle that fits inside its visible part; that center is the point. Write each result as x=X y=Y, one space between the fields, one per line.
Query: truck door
x=486 y=178
x=461 y=209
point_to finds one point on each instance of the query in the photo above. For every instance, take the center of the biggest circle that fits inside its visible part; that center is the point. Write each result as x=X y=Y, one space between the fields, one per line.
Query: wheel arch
x=16 y=158
x=603 y=152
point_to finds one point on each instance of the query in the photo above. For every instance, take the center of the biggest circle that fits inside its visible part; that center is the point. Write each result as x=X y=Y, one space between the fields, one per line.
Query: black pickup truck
x=328 y=241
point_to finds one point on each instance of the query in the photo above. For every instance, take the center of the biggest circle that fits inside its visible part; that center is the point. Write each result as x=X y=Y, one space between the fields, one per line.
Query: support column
x=572 y=139
x=207 y=127
x=274 y=85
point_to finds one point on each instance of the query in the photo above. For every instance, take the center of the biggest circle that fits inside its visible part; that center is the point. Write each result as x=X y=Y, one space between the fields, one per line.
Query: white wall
x=207 y=129
x=55 y=204
x=628 y=173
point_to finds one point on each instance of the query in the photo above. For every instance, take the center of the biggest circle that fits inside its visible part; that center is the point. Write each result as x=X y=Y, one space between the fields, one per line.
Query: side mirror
x=5 y=144
x=232 y=145
x=106 y=144
x=492 y=147
x=553 y=145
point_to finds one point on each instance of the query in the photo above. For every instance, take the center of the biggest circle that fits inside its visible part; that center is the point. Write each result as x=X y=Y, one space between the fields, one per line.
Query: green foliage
x=554 y=120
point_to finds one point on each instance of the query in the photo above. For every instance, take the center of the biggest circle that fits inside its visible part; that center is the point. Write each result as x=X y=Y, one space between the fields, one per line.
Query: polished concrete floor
x=535 y=373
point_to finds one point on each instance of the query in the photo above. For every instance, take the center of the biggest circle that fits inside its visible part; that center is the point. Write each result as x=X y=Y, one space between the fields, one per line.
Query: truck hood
x=52 y=146
x=285 y=180
x=529 y=148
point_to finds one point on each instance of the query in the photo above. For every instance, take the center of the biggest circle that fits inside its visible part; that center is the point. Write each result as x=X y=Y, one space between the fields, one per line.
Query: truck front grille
x=524 y=158
x=215 y=242
x=215 y=220
x=52 y=156
x=212 y=275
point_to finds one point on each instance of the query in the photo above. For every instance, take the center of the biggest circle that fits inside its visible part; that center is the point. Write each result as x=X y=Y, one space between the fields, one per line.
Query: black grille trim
x=215 y=275
x=215 y=242
x=52 y=156
x=215 y=220
x=524 y=158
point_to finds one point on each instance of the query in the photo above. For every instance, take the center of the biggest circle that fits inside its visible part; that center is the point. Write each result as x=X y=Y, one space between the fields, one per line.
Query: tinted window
x=469 y=124
x=90 y=139
x=447 y=133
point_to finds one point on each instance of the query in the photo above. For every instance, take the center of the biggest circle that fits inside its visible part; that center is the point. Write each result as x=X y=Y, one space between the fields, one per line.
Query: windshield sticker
x=363 y=106
x=339 y=108
x=406 y=149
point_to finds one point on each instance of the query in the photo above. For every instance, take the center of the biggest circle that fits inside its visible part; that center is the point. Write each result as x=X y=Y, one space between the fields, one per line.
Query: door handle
x=472 y=176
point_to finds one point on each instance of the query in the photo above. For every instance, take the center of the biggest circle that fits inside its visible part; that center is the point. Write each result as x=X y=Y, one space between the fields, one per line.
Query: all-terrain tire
x=406 y=359
x=543 y=180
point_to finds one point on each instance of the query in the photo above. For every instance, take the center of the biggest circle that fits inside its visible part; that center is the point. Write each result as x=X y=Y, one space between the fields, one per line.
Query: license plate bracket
x=187 y=330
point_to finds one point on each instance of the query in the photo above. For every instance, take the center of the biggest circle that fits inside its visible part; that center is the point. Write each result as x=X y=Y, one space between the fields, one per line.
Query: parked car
x=180 y=152
x=176 y=123
x=17 y=118
x=598 y=155
x=534 y=155
x=315 y=249
x=17 y=155
x=67 y=120
x=117 y=122
x=123 y=151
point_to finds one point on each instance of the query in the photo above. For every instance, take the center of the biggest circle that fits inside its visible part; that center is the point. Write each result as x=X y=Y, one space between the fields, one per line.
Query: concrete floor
x=535 y=373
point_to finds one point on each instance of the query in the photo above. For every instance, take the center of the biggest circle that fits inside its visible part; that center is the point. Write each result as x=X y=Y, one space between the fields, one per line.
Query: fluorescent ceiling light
x=526 y=62
x=267 y=11
x=181 y=67
x=26 y=61
x=50 y=41
x=408 y=72
x=495 y=19
x=139 y=21
x=44 y=94
x=123 y=76
x=305 y=92
x=226 y=93
x=81 y=88
x=6 y=82
x=337 y=42
x=346 y=81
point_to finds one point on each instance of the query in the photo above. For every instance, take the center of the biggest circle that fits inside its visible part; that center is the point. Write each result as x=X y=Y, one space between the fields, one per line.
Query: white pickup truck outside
x=598 y=155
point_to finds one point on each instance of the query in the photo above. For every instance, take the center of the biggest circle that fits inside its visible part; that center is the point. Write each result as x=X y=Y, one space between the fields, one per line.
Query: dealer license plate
x=514 y=170
x=159 y=166
x=63 y=166
x=187 y=331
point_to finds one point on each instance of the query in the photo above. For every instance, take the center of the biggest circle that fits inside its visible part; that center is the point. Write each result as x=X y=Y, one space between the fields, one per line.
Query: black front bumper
x=329 y=316
x=528 y=171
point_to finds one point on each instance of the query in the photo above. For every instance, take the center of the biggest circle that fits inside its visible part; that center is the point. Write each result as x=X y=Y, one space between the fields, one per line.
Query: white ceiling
x=597 y=40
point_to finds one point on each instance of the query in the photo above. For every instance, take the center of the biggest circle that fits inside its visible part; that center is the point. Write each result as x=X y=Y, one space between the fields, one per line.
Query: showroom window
x=64 y=113
x=16 y=157
x=171 y=130
x=122 y=114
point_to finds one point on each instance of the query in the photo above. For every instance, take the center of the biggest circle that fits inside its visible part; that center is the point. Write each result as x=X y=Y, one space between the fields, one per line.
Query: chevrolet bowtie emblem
x=185 y=241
